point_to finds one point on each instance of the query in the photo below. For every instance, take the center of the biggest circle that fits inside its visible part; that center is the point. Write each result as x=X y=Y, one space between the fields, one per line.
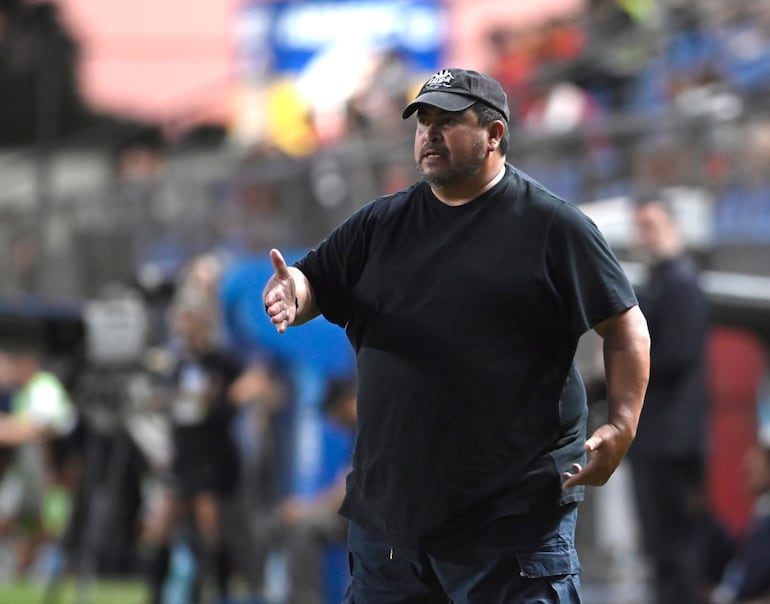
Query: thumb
x=279 y=264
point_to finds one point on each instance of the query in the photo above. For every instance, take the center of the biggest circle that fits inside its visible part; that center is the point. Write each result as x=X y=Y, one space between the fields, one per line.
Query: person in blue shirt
x=309 y=520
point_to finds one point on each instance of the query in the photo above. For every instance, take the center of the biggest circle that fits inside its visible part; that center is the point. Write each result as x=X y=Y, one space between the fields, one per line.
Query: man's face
x=449 y=147
x=655 y=232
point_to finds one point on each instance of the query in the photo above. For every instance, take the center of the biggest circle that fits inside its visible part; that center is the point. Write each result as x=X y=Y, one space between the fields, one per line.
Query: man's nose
x=432 y=133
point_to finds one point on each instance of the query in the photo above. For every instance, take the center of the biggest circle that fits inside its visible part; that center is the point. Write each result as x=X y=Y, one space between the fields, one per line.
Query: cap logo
x=441 y=79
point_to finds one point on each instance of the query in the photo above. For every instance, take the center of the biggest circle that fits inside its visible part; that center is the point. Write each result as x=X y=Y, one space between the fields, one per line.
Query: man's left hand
x=606 y=449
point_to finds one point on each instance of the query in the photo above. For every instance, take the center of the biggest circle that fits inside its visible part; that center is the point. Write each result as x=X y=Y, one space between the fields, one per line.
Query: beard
x=455 y=173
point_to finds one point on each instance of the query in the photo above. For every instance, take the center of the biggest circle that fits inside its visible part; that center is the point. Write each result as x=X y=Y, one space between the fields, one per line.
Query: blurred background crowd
x=152 y=152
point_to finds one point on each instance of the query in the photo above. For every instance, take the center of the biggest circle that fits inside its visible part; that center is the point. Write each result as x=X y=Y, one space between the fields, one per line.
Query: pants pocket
x=553 y=576
x=548 y=563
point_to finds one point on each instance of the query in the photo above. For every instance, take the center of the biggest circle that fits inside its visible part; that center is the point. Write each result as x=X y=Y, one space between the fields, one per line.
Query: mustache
x=433 y=149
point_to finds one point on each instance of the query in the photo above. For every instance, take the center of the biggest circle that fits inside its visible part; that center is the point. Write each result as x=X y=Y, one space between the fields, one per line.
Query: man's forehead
x=433 y=111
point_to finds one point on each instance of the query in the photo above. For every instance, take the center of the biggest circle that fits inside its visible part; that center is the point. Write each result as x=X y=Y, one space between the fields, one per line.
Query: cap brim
x=448 y=101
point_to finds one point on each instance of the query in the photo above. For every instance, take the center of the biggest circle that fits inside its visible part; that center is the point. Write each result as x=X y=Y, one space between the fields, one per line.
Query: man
x=41 y=416
x=746 y=577
x=668 y=456
x=464 y=297
x=40 y=405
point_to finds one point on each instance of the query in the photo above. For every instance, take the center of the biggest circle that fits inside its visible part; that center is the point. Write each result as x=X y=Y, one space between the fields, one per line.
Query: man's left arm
x=626 y=348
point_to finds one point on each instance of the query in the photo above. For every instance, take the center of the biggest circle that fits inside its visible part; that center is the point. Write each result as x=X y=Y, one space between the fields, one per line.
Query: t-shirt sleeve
x=587 y=276
x=335 y=265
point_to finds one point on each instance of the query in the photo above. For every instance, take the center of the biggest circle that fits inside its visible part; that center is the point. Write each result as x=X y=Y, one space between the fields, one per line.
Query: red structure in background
x=737 y=367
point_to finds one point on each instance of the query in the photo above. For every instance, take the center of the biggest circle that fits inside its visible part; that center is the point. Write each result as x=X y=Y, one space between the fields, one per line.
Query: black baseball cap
x=457 y=89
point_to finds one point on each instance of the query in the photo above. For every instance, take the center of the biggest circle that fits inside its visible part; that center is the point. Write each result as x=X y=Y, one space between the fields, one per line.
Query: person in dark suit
x=668 y=455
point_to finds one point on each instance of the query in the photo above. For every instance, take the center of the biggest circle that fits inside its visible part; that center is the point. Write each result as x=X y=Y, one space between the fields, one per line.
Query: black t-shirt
x=201 y=413
x=465 y=322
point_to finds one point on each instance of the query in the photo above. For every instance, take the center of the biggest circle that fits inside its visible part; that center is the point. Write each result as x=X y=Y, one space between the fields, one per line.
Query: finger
x=282 y=326
x=578 y=476
x=278 y=313
x=279 y=322
x=279 y=264
x=593 y=443
x=273 y=308
x=571 y=480
x=576 y=469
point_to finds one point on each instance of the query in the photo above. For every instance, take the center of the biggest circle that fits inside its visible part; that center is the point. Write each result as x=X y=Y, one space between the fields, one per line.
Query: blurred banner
x=300 y=65
x=284 y=37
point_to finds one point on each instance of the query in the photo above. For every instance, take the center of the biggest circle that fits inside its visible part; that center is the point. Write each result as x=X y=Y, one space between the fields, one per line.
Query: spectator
x=668 y=455
x=747 y=576
x=619 y=37
x=744 y=47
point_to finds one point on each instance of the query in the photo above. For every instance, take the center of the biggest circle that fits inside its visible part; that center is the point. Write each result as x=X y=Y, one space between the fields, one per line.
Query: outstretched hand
x=280 y=294
x=606 y=448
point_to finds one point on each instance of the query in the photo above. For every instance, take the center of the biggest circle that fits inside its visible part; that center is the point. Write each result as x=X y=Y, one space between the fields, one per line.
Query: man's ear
x=495 y=132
